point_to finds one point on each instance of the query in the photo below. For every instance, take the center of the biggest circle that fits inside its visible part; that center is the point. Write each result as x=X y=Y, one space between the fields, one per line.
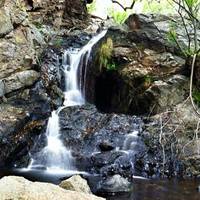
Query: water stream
x=55 y=156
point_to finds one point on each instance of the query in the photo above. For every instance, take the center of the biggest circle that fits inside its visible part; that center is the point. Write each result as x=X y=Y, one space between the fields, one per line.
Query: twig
x=197 y=137
x=162 y=136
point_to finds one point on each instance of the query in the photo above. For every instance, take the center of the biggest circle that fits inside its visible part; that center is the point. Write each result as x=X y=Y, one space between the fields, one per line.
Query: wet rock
x=106 y=146
x=20 y=188
x=84 y=128
x=17 y=133
x=115 y=184
x=11 y=119
x=101 y=159
x=22 y=119
x=76 y=183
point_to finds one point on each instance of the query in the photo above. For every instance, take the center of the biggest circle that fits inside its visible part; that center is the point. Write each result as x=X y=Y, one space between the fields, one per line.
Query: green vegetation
x=91 y=7
x=196 y=96
x=148 y=80
x=111 y=66
x=154 y=6
x=58 y=42
x=118 y=16
x=105 y=55
x=188 y=11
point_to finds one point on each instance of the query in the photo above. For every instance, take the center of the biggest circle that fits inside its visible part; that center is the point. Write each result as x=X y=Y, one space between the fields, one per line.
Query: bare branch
x=191 y=85
x=124 y=8
x=190 y=14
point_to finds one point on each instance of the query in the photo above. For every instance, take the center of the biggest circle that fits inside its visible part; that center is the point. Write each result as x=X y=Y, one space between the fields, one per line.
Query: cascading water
x=55 y=156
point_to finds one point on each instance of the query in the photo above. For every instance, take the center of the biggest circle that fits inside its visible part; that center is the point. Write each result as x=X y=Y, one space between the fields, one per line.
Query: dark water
x=141 y=189
x=162 y=190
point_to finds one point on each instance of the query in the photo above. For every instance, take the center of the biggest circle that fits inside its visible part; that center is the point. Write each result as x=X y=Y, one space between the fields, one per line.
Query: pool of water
x=161 y=190
x=141 y=189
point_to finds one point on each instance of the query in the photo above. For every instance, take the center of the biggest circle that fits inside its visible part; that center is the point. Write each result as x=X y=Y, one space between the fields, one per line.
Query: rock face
x=146 y=70
x=5 y=23
x=19 y=188
x=20 y=80
x=76 y=183
x=26 y=27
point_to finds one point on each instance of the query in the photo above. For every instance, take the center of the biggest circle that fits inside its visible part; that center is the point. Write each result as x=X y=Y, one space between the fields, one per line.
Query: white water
x=55 y=156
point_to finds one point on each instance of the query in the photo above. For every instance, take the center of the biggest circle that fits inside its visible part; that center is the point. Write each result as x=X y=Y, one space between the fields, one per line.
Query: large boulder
x=163 y=95
x=76 y=183
x=19 y=188
x=20 y=80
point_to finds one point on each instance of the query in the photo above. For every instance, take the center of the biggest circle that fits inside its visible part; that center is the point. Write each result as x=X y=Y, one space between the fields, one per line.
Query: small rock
x=115 y=184
x=106 y=146
x=76 y=183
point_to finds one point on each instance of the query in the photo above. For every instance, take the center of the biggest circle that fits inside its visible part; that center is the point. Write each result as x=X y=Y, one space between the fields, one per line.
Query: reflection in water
x=142 y=189
x=162 y=190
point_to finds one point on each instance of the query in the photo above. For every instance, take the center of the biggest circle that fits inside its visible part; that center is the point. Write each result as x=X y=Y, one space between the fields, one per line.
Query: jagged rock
x=19 y=188
x=12 y=119
x=15 y=50
x=18 y=14
x=20 y=80
x=5 y=23
x=115 y=184
x=76 y=183
x=164 y=95
x=151 y=31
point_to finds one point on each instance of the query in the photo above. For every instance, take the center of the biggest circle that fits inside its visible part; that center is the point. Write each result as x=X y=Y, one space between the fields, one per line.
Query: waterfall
x=55 y=156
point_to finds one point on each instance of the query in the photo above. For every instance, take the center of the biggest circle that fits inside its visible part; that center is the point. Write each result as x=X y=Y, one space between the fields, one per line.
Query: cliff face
x=23 y=32
x=26 y=27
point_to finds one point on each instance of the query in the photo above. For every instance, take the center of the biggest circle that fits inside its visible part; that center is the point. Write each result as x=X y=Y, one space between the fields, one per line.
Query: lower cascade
x=55 y=156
